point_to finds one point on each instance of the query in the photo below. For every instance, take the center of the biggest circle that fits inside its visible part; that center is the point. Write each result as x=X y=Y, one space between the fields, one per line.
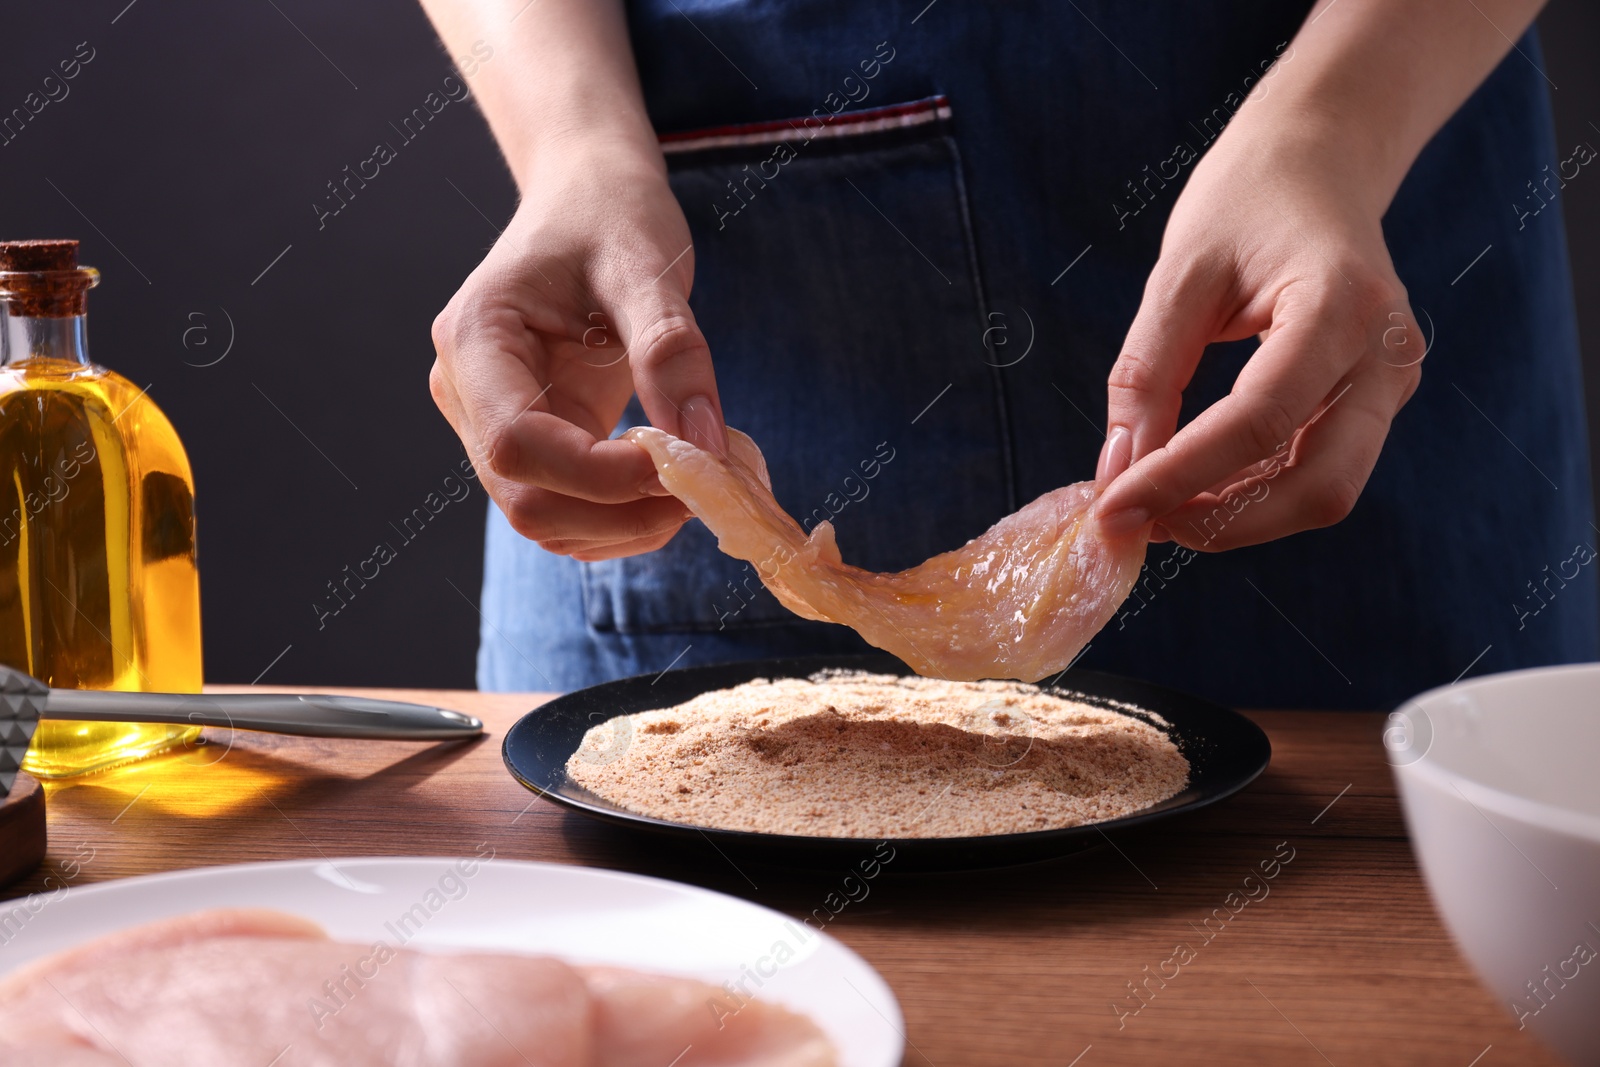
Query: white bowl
x=1500 y=784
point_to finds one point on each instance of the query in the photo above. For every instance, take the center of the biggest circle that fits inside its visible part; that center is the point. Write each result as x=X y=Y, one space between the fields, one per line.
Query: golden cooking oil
x=98 y=583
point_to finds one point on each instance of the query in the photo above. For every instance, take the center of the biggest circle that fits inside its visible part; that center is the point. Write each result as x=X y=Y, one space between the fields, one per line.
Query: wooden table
x=1340 y=960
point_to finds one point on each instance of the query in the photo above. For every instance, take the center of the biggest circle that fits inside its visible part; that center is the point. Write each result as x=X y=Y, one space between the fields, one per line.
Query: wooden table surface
x=1338 y=959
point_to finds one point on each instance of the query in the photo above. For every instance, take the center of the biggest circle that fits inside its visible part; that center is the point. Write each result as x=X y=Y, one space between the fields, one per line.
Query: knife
x=24 y=700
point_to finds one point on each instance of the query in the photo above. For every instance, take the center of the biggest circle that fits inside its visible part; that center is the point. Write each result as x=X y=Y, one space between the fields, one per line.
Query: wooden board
x=22 y=829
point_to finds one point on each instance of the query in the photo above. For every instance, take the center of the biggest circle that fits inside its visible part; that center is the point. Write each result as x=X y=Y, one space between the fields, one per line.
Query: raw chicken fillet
x=1020 y=601
x=248 y=988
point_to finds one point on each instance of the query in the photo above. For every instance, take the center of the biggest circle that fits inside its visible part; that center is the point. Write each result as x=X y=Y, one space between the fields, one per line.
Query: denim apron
x=921 y=233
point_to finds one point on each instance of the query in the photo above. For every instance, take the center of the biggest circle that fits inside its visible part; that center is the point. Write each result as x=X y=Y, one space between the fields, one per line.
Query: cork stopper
x=42 y=279
x=38 y=255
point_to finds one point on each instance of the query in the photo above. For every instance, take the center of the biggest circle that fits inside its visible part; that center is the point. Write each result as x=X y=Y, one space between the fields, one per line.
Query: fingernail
x=1159 y=534
x=701 y=427
x=652 y=486
x=1114 y=455
x=1124 y=521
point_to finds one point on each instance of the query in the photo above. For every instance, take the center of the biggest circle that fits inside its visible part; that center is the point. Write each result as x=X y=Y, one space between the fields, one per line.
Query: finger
x=627 y=548
x=672 y=371
x=513 y=419
x=543 y=516
x=592 y=551
x=1333 y=457
x=1272 y=463
x=1281 y=387
x=1144 y=391
x=552 y=453
x=449 y=405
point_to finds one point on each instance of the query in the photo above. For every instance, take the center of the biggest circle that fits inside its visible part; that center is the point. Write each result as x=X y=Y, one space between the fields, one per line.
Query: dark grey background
x=188 y=155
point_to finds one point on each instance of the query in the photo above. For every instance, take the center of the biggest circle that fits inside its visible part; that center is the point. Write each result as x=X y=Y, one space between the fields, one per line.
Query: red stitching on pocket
x=829 y=124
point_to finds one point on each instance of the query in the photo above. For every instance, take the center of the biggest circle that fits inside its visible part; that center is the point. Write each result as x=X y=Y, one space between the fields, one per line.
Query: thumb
x=1144 y=392
x=672 y=371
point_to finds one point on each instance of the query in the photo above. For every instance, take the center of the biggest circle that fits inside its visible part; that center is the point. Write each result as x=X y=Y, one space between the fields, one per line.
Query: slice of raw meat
x=256 y=987
x=641 y=1015
x=1019 y=601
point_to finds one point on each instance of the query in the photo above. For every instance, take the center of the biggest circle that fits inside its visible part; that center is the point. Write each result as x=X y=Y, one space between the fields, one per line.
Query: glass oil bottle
x=98 y=584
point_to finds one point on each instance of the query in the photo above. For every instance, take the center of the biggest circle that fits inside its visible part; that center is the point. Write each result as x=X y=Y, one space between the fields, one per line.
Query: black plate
x=1224 y=749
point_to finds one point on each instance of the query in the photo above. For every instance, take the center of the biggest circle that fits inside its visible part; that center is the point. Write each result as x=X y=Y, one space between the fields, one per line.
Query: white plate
x=580 y=914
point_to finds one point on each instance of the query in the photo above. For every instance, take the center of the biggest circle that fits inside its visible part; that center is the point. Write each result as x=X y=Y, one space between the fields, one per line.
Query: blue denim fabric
x=879 y=274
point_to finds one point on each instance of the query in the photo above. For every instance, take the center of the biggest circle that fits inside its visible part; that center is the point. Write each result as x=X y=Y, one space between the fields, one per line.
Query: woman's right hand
x=582 y=302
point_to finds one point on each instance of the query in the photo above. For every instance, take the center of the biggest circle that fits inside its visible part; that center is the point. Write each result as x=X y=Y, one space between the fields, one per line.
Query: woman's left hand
x=1271 y=238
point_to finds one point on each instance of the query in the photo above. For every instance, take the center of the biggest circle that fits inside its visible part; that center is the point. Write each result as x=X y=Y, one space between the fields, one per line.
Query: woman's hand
x=1264 y=240
x=585 y=298
x=582 y=302
x=1277 y=233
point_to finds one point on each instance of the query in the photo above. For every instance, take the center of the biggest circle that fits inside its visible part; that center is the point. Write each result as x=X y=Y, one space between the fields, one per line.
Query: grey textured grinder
x=21 y=699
